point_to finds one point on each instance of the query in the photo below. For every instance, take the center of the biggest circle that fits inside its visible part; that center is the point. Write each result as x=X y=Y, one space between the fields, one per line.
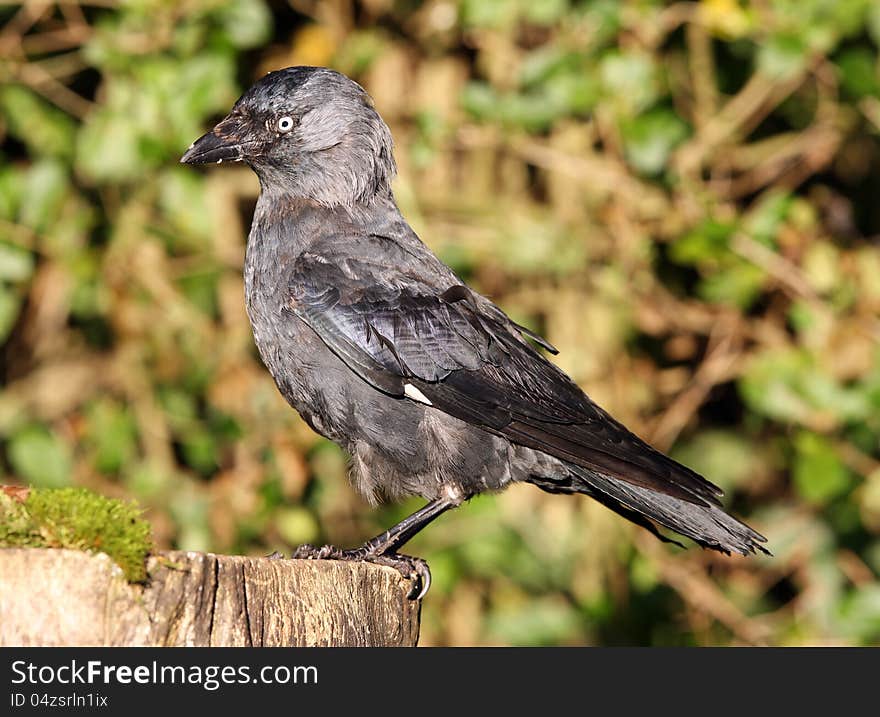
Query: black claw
x=414 y=569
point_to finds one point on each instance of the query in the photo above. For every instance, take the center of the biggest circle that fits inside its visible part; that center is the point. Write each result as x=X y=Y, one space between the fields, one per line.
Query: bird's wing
x=458 y=352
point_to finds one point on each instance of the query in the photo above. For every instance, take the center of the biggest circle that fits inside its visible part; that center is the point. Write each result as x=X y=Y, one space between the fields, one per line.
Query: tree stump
x=70 y=598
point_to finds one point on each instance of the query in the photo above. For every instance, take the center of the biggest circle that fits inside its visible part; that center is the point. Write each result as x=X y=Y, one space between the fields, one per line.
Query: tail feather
x=707 y=525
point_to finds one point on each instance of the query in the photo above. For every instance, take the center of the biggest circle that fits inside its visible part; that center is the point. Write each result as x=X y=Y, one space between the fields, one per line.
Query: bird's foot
x=410 y=567
x=414 y=569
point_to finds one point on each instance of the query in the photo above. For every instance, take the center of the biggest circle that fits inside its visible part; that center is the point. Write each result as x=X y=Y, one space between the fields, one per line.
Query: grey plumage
x=432 y=388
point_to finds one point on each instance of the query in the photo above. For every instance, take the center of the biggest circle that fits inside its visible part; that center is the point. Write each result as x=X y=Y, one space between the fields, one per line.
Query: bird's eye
x=285 y=124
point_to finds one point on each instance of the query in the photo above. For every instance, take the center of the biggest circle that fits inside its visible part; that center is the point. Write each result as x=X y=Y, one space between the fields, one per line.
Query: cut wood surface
x=65 y=597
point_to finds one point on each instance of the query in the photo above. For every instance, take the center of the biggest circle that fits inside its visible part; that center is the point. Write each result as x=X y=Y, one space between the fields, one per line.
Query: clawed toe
x=311 y=552
x=414 y=569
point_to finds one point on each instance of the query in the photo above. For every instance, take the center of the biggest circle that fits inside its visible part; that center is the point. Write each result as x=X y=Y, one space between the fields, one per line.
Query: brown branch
x=721 y=364
x=744 y=111
x=785 y=272
x=56 y=40
x=701 y=593
x=58 y=94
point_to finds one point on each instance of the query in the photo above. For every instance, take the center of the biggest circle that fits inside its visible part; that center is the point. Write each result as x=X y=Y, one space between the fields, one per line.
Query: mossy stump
x=57 y=597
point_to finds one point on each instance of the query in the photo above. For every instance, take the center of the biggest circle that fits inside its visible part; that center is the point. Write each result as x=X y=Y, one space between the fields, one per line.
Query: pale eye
x=285 y=124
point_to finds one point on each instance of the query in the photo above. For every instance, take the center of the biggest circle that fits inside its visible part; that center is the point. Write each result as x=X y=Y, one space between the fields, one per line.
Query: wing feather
x=473 y=364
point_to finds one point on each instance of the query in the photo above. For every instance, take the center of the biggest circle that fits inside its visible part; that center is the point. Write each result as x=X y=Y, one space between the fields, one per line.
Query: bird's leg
x=396 y=536
x=383 y=548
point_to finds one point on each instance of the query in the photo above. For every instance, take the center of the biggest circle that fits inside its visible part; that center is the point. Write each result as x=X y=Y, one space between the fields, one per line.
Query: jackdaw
x=432 y=389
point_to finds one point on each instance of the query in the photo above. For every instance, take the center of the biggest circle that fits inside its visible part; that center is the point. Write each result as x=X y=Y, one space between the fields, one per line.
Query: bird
x=432 y=389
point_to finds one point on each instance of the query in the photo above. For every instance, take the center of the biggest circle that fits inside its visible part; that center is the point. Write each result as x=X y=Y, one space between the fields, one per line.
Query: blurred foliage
x=681 y=196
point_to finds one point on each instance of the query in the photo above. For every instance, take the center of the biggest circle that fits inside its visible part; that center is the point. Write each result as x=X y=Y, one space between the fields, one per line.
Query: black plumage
x=431 y=387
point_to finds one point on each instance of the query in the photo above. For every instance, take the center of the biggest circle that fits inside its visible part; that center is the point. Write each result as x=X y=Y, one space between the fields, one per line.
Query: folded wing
x=470 y=361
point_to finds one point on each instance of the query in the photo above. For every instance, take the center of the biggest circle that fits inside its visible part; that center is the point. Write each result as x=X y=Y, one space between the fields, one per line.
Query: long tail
x=708 y=525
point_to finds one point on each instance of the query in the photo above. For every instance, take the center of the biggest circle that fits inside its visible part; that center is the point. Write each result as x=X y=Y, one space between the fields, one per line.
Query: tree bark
x=70 y=598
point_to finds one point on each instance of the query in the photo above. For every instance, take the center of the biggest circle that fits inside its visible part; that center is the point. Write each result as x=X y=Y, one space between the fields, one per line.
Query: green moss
x=78 y=519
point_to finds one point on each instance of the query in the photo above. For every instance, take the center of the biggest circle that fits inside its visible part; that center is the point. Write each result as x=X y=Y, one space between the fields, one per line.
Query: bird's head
x=307 y=132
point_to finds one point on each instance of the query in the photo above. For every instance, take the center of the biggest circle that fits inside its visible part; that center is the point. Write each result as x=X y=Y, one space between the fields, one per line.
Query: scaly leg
x=382 y=549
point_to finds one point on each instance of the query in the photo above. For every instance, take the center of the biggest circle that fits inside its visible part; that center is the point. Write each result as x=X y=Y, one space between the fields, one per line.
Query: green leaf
x=802 y=316
x=488 y=13
x=247 y=23
x=724 y=457
x=43 y=128
x=16 y=264
x=148 y=479
x=709 y=241
x=359 y=51
x=569 y=93
x=40 y=457
x=790 y=385
x=179 y=406
x=201 y=290
x=539 y=247
x=182 y=198
x=200 y=450
x=182 y=97
x=108 y=148
x=629 y=80
x=872 y=22
x=737 y=284
x=771 y=384
x=10 y=306
x=46 y=186
x=534 y=112
x=819 y=474
x=651 y=137
x=538 y=621
x=545 y=12
x=783 y=56
x=764 y=220
x=11 y=188
x=480 y=100
x=297 y=525
x=859 y=73
x=859 y=615
x=603 y=17
x=190 y=511
x=544 y=62
x=112 y=432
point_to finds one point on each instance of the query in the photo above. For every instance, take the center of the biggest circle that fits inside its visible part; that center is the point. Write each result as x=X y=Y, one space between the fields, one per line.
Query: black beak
x=224 y=142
